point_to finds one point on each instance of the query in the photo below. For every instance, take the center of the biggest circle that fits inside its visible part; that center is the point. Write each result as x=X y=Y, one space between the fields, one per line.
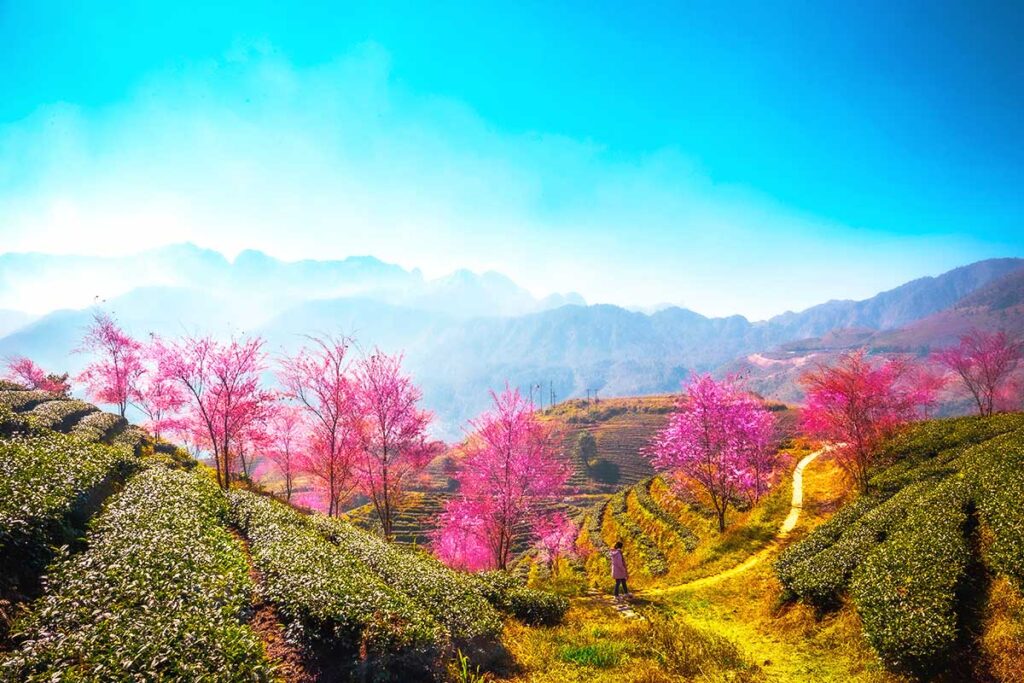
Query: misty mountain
x=262 y=284
x=457 y=352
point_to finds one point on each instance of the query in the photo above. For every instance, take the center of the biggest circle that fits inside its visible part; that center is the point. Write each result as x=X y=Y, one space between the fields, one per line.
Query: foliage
x=159 y=594
x=983 y=361
x=857 y=404
x=598 y=655
x=452 y=598
x=652 y=557
x=906 y=590
x=113 y=377
x=509 y=468
x=222 y=383
x=26 y=400
x=98 y=426
x=58 y=414
x=509 y=594
x=392 y=433
x=24 y=373
x=330 y=600
x=647 y=502
x=45 y=482
x=998 y=487
x=718 y=442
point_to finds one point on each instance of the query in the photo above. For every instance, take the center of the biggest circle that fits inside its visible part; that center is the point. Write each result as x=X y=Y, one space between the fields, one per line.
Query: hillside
x=121 y=558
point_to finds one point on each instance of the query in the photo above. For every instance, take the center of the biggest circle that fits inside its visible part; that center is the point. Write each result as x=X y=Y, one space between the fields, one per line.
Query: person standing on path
x=619 y=571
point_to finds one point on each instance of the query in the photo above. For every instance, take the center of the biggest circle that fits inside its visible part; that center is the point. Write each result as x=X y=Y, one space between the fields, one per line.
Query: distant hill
x=998 y=305
x=460 y=337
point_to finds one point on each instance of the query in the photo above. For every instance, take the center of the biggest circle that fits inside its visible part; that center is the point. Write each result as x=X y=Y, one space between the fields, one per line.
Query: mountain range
x=467 y=333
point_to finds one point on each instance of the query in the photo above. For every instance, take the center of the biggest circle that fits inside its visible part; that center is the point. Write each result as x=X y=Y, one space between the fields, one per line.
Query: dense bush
x=331 y=601
x=58 y=414
x=46 y=485
x=158 y=595
x=925 y=440
x=906 y=589
x=132 y=436
x=510 y=595
x=998 y=486
x=450 y=597
x=787 y=566
x=647 y=502
x=7 y=385
x=98 y=426
x=21 y=399
x=821 y=578
x=650 y=554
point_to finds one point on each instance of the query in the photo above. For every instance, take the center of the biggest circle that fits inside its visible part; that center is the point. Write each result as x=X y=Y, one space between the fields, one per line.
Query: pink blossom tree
x=392 y=433
x=112 y=377
x=160 y=399
x=288 y=432
x=856 y=404
x=556 y=538
x=983 y=362
x=25 y=372
x=718 y=443
x=508 y=470
x=317 y=379
x=222 y=386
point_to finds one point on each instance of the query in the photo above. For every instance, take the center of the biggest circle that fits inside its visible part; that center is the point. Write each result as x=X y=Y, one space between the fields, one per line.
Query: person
x=619 y=571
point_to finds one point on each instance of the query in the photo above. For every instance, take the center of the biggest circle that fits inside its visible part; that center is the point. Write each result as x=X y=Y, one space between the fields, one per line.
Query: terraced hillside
x=922 y=555
x=163 y=576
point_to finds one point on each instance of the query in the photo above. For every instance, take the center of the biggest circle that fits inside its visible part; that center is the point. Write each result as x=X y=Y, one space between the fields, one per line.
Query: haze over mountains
x=467 y=332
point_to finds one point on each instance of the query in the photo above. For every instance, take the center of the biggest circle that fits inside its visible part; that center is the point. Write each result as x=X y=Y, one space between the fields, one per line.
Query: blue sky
x=742 y=159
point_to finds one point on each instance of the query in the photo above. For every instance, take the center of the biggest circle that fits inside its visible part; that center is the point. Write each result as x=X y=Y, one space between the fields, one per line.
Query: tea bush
x=22 y=399
x=452 y=598
x=330 y=600
x=58 y=414
x=98 y=426
x=998 y=487
x=45 y=484
x=906 y=589
x=510 y=595
x=160 y=594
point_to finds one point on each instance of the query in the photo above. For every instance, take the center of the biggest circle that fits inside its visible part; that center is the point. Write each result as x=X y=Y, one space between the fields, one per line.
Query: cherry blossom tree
x=556 y=538
x=24 y=371
x=508 y=470
x=287 y=431
x=392 y=433
x=717 y=443
x=983 y=362
x=112 y=377
x=856 y=404
x=221 y=383
x=317 y=379
x=160 y=399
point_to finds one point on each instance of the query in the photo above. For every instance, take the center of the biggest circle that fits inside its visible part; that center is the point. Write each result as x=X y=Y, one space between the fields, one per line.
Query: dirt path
x=788 y=525
x=288 y=662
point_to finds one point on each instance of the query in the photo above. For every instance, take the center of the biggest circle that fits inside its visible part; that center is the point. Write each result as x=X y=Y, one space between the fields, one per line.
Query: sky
x=746 y=159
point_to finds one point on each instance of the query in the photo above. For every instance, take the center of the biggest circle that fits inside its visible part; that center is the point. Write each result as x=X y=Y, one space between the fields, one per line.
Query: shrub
x=134 y=437
x=98 y=426
x=158 y=595
x=594 y=521
x=997 y=483
x=510 y=595
x=450 y=597
x=8 y=385
x=906 y=589
x=21 y=399
x=58 y=414
x=650 y=554
x=331 y=601
x=47 y=485
x=789 y=561
x=647 y=502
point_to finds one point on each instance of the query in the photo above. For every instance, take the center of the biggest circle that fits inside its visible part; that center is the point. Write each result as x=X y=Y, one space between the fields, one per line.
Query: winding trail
x=788 y=525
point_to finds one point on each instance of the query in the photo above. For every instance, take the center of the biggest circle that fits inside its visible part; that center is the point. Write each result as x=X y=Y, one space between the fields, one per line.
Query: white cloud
x=335 y=160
